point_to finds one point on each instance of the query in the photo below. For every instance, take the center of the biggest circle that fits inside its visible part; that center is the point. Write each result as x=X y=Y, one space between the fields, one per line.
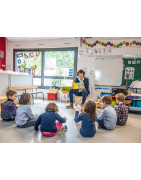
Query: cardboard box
x=53 y=90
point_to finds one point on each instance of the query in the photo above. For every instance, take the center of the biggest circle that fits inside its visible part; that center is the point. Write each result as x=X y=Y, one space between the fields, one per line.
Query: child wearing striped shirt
x=122 y=110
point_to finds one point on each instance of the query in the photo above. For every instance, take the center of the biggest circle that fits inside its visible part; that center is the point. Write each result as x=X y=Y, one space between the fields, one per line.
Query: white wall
x=56 y=43
x=71 y=43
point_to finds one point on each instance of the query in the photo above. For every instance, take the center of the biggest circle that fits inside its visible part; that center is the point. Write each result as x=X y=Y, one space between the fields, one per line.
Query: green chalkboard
x=137 y=71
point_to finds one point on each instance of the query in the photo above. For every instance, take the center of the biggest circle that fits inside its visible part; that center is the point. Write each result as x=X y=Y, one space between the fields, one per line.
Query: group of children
x=87 y=121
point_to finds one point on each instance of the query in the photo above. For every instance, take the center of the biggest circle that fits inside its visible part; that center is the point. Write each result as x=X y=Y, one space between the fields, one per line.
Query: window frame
x=43 y=50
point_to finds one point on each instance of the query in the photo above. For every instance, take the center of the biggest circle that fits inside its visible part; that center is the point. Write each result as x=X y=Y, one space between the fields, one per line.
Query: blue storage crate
x=54 y=87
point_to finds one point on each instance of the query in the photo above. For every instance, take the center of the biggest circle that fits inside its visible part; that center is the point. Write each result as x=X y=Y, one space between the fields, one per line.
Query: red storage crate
x=52 y=96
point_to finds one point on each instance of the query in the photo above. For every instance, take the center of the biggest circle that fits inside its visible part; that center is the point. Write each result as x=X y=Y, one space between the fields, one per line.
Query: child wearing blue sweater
x=85 y=121
x=47 y=120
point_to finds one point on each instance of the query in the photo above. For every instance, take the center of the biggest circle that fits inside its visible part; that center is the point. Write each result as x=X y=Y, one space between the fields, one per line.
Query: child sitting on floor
x=8 y=109
x=47 y=120
x=85 y=121
x=122 y=110
x=24 y=116
x=108 y=118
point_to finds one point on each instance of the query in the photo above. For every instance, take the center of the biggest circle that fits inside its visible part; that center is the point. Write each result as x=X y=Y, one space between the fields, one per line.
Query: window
x=48 y=66
x=28 y=61
x=59 y=63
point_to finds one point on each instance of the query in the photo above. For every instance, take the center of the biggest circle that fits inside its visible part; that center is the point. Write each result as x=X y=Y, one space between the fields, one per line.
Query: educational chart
x=129 y=71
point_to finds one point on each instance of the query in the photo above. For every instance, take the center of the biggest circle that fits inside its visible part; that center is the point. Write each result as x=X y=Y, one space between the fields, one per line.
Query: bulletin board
x=137 y=70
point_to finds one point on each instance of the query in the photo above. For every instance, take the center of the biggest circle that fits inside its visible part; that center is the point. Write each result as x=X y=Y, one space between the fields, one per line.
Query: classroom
x=66 y=75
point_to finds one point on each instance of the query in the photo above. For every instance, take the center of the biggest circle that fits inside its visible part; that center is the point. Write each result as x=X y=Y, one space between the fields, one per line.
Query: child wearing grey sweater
x=108 y=118
x=24 y=116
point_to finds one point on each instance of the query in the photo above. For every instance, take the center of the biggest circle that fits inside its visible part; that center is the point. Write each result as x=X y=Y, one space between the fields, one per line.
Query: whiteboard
x=108 y=71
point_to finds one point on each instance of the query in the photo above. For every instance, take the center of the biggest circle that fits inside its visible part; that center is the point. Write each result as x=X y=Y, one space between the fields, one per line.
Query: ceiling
x=43 y=38
x=34 y=38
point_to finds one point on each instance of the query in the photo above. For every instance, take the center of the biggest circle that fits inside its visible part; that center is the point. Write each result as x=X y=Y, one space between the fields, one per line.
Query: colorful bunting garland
x=111 y=44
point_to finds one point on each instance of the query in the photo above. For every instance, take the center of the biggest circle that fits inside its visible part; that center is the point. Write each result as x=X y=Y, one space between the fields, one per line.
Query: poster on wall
x=80 y=54
x=2 y=54
x=129 y=62
x=129 y=71
x=138 y=61
x=91 y=71
x=50 y=63
x=134 y=62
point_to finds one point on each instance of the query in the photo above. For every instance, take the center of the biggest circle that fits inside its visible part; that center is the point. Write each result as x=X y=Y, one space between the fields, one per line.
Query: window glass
x=64 y=82
x=28 y=62
x=59 y=63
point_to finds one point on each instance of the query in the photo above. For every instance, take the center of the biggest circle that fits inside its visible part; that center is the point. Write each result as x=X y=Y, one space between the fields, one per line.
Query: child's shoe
x=63 y=129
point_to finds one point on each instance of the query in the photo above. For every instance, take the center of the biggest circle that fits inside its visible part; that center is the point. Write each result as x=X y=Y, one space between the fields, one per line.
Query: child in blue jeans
x=85 y=121
x=47 y=120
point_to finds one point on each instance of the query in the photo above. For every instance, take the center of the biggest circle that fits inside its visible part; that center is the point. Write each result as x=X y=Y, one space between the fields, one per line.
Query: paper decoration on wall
x=111 y=44
x=103 y=51
x=24 y=63
x=95 y=51
x=31 y=55
x=85 y=70
x=129 y=71
x=19 y=61
x=50 y=63
x=98 y=51
x=91 y=52
x=138 y=61
x=19 y=55
x=25 y=56
x=37 y=55
x=108 y=50
x=2 y=54
x=80 y=54
x=91 y=71
x=87 y=54
x=134 y=62
x=129 y=62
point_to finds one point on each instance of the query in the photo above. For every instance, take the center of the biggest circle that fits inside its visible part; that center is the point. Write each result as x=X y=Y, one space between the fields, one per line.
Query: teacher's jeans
x=83 y=93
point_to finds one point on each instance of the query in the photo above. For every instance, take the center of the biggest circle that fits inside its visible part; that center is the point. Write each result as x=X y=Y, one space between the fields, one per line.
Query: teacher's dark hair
x=80 y=71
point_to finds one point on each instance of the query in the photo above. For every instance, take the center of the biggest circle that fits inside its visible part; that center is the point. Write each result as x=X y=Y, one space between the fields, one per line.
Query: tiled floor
x=131 y=133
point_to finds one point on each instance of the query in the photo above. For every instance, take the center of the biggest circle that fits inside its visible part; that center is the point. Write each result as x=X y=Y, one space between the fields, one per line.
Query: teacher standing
x=81 y=91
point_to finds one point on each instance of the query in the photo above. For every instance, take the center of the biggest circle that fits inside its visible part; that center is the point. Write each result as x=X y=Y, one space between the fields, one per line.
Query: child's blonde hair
x=120 y=97
x=52 y=107
x=25 y=99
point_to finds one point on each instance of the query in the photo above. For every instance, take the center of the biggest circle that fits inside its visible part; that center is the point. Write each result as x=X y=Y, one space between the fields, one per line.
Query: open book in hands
x=78 y=85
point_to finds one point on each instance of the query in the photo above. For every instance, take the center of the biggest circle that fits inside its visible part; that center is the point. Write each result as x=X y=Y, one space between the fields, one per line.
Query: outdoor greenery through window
x=48 y=66
x=59 y=63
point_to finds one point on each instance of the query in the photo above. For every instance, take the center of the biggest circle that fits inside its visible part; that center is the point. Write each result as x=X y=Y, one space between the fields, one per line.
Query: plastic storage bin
x=52 y=96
